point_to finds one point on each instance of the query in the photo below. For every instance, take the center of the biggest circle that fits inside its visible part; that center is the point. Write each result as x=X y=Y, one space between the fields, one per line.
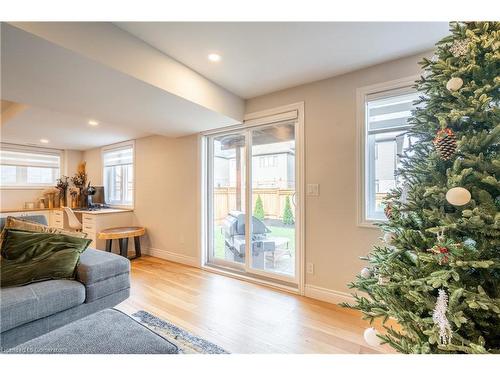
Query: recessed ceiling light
x=43 y=140
x=214 y=57
x=93 y=123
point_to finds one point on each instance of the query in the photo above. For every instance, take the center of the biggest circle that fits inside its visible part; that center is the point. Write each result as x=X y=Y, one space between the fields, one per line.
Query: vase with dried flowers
x=51 y=195
x=62 y=186
x=80 y=180
x=73 y=192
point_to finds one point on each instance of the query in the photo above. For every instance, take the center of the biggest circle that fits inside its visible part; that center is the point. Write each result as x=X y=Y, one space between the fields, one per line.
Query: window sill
x=37 y=187
x=370 y=223
x=121 y=206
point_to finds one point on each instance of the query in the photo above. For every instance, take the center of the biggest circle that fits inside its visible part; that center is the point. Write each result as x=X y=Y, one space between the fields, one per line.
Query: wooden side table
x=122 y=234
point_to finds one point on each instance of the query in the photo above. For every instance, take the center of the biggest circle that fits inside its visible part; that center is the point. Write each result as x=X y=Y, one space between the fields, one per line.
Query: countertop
x=103 y=211
x=7 y=210
x=76 y=210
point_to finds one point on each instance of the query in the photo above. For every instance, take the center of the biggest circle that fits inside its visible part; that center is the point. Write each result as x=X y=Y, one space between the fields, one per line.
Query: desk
x=95 y=221
x=92 y=221
x=21 y=212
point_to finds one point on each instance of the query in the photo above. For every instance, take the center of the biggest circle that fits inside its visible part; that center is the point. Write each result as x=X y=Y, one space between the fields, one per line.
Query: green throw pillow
x=29 y=257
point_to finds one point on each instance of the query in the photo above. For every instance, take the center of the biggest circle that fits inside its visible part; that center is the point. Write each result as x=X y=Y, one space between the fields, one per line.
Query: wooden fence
x=273 y=201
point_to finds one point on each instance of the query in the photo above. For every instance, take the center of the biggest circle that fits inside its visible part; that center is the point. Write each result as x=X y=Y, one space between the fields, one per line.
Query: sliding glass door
x=251 y=183
x=273 y=199
x=227 y=187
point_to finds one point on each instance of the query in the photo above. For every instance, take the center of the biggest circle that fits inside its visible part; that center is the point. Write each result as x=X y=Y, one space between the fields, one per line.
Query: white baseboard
x=327 y=295
x=173 y=257
x=311 y=291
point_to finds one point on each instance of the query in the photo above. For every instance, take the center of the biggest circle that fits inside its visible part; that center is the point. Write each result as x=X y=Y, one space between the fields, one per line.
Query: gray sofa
x=26 y=312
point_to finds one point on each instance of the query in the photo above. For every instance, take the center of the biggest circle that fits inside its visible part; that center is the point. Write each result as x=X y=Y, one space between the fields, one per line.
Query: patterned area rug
x=185 y=341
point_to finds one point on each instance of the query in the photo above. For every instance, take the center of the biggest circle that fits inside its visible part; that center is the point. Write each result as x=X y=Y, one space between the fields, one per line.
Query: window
x=118 y=170
x=25 y=167
x=385 y=139
x=268 y=161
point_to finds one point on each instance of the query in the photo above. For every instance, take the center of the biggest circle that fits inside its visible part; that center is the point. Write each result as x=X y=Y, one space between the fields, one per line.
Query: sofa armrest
x=97 y=265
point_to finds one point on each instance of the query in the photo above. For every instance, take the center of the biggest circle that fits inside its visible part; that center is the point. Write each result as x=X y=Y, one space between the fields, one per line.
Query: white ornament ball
x=458 y=196
x=366 y=273
x=388 y=237
x=454 y=84
x=371 y=337
x=383 y=280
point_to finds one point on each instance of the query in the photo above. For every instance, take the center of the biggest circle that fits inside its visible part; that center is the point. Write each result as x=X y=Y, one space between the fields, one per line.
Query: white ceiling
x=64 y=131
x=64 y=89
x=258 y=57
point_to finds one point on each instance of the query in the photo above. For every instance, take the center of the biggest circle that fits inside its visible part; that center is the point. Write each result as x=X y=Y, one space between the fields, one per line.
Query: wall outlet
x=310 y=268
x=313 y=190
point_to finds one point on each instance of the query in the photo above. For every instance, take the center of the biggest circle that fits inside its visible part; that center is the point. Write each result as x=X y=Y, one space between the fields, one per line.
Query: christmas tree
x=288 y=213
x=438 y=274
x=258 y=211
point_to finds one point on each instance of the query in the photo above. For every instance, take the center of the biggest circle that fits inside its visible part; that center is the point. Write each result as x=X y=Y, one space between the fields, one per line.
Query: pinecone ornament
x=445 y=143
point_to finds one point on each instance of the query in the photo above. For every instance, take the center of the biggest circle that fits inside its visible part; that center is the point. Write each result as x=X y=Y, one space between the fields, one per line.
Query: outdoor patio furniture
x=235 y=242
x=282 y=249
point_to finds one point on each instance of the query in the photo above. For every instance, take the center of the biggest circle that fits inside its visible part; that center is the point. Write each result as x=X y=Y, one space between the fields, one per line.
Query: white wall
x=15 y=198
x=334 y=242
x=166 y=193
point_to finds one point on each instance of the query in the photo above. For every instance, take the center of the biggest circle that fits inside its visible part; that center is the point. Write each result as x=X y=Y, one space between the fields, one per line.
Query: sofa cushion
x=33 y=257
x=106 y=287
x=34 y=226
x=19 y=305
x=40 y=219
x=36 y=219
x=97 y=265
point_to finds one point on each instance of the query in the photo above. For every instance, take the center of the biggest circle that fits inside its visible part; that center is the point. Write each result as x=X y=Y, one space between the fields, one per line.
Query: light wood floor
x=240 y=316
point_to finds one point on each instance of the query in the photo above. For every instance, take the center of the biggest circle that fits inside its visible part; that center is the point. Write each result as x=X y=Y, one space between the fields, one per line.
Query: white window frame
x=34 y=149
x=398 y=86
x=110 y=148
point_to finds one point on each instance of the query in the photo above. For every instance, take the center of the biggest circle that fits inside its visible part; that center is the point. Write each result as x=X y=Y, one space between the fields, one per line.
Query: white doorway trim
x=278 y=114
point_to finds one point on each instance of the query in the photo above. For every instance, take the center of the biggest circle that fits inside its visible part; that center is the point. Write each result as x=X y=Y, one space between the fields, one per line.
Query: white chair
x=73 y=221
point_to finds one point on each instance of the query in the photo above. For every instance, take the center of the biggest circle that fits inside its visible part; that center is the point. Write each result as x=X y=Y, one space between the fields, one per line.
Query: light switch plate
x=313 y=190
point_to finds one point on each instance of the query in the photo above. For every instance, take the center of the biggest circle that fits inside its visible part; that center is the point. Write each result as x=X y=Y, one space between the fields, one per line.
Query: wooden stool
x=122 y=234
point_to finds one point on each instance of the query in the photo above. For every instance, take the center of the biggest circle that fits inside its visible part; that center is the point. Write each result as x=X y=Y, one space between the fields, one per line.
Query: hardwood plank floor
x=243 y=317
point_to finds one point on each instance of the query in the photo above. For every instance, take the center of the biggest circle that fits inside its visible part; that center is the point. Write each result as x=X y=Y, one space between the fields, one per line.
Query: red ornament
x=442 y=253
x=388 y=210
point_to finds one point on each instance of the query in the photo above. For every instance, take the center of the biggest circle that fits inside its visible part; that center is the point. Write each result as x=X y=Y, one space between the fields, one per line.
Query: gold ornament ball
x=371 y=338
x=458 y=196
x=454 y=84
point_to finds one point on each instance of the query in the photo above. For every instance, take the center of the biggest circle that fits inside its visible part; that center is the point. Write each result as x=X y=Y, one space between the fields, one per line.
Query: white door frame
x=255 y=119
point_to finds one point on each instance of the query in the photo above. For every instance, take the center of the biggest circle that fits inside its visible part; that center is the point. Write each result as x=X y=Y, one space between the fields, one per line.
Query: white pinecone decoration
x=445 y=143
x=459 y=47
x=440 y=319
